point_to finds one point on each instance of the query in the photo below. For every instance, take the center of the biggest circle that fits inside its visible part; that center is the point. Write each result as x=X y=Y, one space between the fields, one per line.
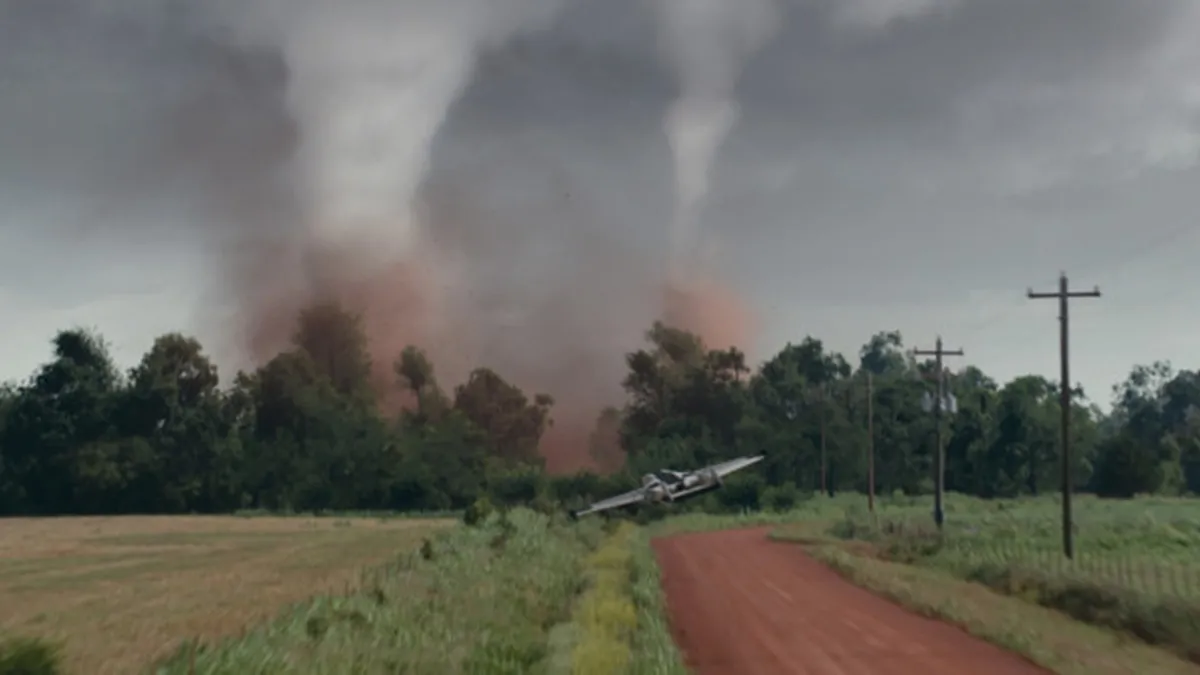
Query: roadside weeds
x=1046 y=637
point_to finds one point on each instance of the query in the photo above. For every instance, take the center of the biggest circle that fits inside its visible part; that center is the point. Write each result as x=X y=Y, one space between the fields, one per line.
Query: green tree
x=174 y=404
x=415 y=373
x=334 y=340
x=679 y=389
x=512 y=423
x=62 y=416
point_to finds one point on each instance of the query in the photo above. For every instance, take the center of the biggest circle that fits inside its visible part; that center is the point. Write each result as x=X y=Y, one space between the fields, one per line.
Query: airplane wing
x=725 y=468
x=631 y=497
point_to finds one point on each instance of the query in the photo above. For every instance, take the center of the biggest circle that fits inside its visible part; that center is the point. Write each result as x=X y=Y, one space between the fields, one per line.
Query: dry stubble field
x=123 y=592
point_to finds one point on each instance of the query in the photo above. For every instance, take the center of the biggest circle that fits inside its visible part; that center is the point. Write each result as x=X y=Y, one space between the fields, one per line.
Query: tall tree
x=57 y=419
x=884 y=354
x=175 y=404
x=415 y=372
x=513 y=424
x=333 y=338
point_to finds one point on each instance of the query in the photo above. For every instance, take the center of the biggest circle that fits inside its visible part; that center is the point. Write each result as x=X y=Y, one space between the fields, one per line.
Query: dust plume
x=288 y=146
x=549 y=302
x=370 y=84
x=711 y=310
x=707 y=43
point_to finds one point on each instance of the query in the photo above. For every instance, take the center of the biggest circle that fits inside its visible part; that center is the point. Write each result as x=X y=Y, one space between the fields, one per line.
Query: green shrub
x=28 y=656
x=477 y=512
x=515 y=486
x=780 y=498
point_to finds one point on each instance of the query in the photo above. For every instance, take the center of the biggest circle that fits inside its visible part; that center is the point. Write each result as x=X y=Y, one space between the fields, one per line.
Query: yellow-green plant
x=605 y=613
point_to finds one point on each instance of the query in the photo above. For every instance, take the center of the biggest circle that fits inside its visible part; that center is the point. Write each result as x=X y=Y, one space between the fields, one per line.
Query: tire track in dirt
x=740 y=603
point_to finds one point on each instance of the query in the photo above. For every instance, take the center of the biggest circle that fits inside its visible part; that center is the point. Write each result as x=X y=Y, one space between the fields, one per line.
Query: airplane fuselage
x=669 y=485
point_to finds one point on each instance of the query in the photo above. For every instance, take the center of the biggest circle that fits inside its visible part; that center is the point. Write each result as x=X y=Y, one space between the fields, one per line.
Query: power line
x=1064 y=295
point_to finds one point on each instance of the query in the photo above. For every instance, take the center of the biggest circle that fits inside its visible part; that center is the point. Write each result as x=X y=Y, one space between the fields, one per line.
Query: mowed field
x=121 y=593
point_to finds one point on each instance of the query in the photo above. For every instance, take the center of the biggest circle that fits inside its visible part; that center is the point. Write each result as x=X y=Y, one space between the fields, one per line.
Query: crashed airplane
x=667 y=485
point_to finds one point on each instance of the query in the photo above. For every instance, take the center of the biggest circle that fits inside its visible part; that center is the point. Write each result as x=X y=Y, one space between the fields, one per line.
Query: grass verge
x=654 y=649
x=605 y=613
x=472 y=600
x=1147 y=593
x=1173 y=623
x=1042 y=635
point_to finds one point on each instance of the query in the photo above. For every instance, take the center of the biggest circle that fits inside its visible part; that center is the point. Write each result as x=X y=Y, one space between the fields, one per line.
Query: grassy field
x=1147 y=546
x=520 y=593
x=120 y=593
x=1136 y=569
x=494 y=598
x=528 y=593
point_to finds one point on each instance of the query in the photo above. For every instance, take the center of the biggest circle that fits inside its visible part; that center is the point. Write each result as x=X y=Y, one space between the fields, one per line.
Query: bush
x=28 y=656
x=477 y=512
x=781 y=498
x=741 y=492
x=515 y=486
x=898 y=540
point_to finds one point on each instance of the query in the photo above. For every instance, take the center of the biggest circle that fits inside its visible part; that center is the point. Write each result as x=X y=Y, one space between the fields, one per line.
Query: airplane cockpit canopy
x=669 y=477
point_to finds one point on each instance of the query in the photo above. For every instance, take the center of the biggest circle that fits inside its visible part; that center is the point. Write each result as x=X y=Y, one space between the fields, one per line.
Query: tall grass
x=1146 y=546
x=472 y=600
x=1136 y=567
x=606 y=614
x=29 y=656
x=818 y=509
x=654 y=649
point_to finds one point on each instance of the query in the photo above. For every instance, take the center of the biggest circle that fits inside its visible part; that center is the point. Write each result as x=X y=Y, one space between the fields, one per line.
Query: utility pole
x=1063 y=295
x=819 y=394
x=870 y=442
x=824 y=457
x=939 y=514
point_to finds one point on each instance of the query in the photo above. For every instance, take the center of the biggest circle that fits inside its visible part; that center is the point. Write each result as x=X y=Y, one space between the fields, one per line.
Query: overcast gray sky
x=897 y=165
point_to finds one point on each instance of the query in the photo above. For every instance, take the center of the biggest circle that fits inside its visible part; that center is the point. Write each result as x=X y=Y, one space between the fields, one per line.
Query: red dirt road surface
x=743 y=605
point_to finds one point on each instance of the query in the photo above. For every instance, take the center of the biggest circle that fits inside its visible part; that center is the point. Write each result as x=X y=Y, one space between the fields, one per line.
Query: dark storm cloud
x=134 y=136
x=952 y=124
x=906 y=163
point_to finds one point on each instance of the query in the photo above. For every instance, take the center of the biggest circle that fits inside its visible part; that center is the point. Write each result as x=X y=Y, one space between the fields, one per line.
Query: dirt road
x=743 y=605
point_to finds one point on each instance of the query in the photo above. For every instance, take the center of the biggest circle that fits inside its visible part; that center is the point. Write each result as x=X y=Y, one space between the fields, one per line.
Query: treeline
x=689 y=405
x=313 y=430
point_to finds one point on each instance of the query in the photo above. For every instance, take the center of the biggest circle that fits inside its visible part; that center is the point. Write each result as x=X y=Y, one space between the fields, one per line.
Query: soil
x=741 y=604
